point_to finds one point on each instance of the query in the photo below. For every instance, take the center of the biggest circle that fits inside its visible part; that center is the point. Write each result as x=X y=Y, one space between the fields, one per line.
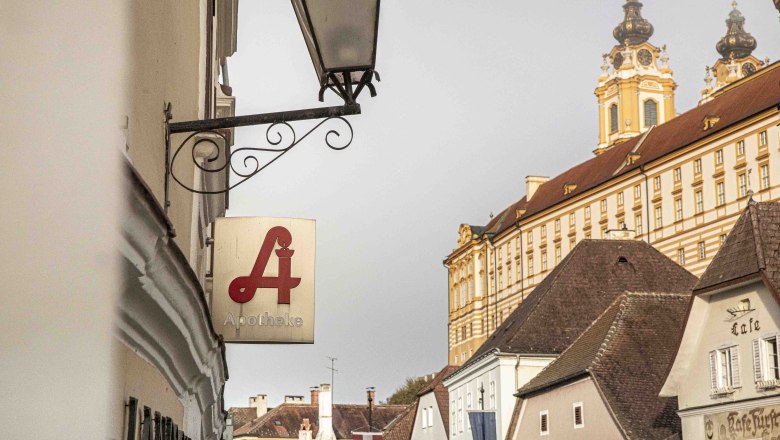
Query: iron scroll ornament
x=246 y=162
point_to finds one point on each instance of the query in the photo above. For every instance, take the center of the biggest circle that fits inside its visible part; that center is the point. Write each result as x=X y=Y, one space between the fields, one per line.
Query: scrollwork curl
x=246 y=162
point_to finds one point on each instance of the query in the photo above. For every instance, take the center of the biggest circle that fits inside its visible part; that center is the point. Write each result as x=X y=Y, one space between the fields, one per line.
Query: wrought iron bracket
x=210 y=151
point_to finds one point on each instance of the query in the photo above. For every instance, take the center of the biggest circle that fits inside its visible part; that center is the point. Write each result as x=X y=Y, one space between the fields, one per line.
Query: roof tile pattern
x=579 y=290
x=742 y=100
x=285 y=420
x=242 y=415
x=752 y=246
x=627 y=352
x=402 y=426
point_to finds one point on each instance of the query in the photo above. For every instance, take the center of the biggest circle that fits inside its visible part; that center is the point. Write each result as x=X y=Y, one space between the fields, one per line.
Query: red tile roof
x=626 y=351
x=736 y=103
x=284 y=421
x=402 y=426
x=241 y=416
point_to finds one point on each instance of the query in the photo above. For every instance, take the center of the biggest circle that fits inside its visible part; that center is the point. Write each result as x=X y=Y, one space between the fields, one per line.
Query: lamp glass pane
x=345 y=31
x=307 y=35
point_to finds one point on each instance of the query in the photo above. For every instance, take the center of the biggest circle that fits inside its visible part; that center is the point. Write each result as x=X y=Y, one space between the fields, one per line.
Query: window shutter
x=736 y=377
x=713 y=370
x=757 y=370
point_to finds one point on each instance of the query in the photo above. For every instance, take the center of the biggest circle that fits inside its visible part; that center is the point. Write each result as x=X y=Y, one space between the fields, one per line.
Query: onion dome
x=634 y=28
x=737 y=43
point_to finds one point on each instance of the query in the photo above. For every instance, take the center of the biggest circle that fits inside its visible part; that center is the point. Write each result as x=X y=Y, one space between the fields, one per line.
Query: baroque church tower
x=636 y=87
x=736 y=56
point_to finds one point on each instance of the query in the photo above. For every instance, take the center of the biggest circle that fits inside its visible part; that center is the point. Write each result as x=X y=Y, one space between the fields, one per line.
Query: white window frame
x=762 y=139
x=699 y=198
x=725 y=382
x=424 y=418
x=764 y=175
x=761 y=361
x=638 y=224
x=460 y=414
x=492 y=394
x=574 y=415
x=544 y=415
x=697 y=166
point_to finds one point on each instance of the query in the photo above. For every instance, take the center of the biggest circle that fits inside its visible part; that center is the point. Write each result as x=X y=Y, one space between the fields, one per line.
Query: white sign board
x=263 y=288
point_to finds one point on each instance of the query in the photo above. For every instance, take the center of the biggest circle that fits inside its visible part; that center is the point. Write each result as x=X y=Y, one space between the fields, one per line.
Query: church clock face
x=748 y=69
x=645 y=57
x=618 y=60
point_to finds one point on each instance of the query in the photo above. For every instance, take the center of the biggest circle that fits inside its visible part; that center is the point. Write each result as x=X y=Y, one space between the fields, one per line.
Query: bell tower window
x=651 y=113
x=613 y=118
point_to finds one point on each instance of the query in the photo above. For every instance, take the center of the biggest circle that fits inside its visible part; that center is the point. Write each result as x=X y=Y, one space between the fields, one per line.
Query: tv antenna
x=333 y=372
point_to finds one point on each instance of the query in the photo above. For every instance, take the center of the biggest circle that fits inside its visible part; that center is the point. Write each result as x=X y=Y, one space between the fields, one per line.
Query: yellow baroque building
x=678 y=182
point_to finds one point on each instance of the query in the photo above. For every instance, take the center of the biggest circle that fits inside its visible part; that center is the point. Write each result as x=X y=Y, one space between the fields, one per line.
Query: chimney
x=259 y=402
x=326 y=413
x=532 y=183
x=293 y=399
x=315 y=395
x=370 y=393
x=304 y=433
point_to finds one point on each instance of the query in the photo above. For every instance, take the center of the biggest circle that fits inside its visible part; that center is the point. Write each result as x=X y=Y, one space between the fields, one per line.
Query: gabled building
x=551 y=318
x=725 y=374
x=678 y=182
x=432 y=418
x=606 y=384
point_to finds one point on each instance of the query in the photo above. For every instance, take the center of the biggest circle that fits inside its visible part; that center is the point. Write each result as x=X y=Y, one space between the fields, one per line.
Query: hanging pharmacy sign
x=263 y=288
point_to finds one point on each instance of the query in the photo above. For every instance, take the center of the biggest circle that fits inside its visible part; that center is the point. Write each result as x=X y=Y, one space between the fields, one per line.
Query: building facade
x=605 y=385
x=431 y=420
x=171 y=367
x=676 y=182
x=725 y=375
x=579 y=290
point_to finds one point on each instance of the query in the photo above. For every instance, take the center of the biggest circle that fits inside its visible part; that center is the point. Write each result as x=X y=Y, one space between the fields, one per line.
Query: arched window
x=651 y=113
x=613 y=118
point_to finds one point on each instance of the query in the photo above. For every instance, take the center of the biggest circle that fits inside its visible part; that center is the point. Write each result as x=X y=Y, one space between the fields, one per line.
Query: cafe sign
x=756 y=423
x=263 y=285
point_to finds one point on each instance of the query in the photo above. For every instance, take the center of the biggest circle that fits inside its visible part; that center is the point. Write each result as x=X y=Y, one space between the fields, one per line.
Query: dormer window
x=710 y=121
x=631 y=158
x=569 y=188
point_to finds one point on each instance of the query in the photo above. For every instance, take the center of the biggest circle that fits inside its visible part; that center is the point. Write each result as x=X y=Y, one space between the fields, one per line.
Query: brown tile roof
x=752 y=247
x=749 y=97
x=402 y=426
x=241 y=416
x=441 y=394
x=626 y=351
x=578 y=290
x=284 y=421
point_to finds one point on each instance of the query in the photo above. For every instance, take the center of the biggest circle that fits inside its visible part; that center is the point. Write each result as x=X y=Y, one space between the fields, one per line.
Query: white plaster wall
x=435 y=432
x=716 y=333
x=508 y=376
x=559 y=403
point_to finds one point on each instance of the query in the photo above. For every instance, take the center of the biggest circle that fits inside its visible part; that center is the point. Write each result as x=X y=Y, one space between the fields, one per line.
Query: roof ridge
x=620 y=302
x=756 y=229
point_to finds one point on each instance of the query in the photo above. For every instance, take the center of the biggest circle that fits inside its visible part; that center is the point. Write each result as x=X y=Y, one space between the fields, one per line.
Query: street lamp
x=341 y=36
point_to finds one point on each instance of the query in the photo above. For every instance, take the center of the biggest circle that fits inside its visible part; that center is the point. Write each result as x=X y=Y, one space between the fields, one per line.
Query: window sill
x=722 y=392
x=763 y=385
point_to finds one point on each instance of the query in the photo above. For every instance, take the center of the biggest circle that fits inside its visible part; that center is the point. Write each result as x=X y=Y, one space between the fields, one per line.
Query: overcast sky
x=475 y=95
